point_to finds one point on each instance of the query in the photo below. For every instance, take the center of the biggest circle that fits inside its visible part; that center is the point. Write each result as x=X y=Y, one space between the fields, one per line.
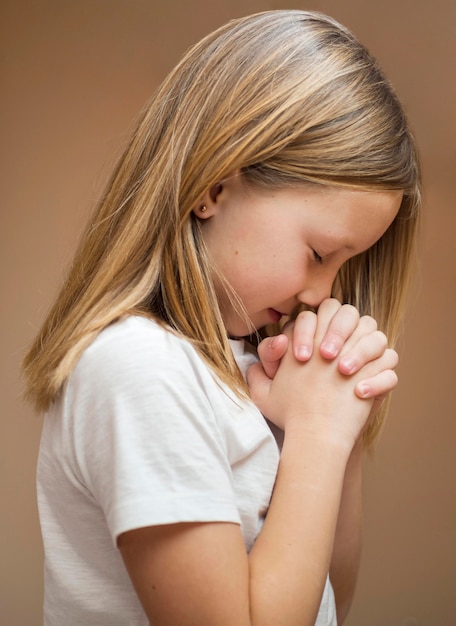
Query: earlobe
x=203 y=210
x=208 y=204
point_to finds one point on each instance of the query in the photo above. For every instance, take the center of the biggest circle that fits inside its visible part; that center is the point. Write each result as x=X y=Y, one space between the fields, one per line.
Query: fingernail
x=303 y=352
x=363 y=389
x=330 y=349
x=348 y=365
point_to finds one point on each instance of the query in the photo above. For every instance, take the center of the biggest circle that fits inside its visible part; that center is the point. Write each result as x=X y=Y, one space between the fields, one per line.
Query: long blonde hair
x=287 y=97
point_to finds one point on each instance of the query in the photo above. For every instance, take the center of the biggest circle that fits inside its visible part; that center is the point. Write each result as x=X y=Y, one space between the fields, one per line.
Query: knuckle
x=344 y=322
x=385 y=383
x=305 y=316
x=369 y=322
x=349 y=308
x=338 y=333
x=392 y=356
x=382 y=338
x=394 y=379
x=329 y=305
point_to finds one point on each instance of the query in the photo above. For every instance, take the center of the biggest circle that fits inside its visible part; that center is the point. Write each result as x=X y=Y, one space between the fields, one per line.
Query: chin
x=237 y=329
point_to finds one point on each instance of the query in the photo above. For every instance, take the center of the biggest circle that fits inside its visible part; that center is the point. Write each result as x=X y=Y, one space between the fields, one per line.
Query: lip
x=275 y=315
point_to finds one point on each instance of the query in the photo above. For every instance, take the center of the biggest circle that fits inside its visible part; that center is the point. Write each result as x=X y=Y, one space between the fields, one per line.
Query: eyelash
x=317 y=257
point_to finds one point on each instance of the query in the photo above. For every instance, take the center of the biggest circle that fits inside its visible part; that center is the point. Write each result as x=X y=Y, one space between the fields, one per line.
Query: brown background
x=74 y=75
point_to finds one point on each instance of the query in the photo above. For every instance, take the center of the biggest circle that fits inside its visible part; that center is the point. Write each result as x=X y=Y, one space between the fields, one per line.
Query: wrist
x=336 y=442
x=306 y=449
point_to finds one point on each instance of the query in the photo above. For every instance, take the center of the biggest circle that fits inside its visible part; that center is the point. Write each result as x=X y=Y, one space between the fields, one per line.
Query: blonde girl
x=273 y=171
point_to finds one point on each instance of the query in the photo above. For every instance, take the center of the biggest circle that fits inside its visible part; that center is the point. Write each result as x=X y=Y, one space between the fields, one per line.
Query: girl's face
x=280 y=248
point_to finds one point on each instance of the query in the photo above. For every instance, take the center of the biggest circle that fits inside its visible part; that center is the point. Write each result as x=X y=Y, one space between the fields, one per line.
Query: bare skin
x=348 y=537
x=319 y=388
x=200 y=573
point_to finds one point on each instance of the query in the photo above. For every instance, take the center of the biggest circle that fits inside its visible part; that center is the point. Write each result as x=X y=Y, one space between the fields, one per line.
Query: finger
x=341 y=326
x=377 y=386
x=303 y=335
x=387 y=361
x=259 y=384
x=270 y=352
x=366 y=325
x=368 y=348
x=326 y=311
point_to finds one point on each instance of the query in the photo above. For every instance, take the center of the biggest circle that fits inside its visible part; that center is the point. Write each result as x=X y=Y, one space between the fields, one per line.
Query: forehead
x=355 y=216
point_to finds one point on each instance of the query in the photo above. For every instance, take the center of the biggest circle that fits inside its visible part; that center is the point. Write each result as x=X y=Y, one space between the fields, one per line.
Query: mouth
x=275 y=315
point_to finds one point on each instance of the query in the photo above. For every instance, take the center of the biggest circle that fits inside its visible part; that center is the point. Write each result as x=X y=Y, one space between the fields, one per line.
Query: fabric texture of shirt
x=143 y=434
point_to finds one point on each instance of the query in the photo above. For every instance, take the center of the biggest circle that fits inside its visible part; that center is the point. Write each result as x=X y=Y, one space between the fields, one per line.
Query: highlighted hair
x=287 y=97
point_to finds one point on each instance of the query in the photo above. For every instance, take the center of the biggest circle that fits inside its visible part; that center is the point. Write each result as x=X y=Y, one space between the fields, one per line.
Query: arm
x=200 y=573
x=348 y=537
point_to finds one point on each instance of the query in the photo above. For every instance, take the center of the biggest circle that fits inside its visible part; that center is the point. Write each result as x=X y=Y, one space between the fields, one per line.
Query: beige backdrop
x=74 y=75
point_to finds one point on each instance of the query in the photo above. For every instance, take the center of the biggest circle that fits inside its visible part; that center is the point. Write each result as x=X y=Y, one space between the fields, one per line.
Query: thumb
x=270 y=352
x=259 y=384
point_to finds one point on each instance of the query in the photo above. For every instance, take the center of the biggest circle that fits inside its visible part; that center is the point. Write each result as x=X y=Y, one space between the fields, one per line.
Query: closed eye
x=317 y=257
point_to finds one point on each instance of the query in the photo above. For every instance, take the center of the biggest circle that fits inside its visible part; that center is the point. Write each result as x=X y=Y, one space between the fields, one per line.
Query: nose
x=314 y=295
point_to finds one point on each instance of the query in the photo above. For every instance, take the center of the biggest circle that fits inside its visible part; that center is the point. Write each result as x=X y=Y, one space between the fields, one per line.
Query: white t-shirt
x=143 y=434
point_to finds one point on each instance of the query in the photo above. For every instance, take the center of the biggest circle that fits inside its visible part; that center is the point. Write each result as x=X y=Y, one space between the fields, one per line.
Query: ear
x=207 y=206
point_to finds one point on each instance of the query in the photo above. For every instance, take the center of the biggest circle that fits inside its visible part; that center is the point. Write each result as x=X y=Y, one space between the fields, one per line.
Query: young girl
x=272 y=170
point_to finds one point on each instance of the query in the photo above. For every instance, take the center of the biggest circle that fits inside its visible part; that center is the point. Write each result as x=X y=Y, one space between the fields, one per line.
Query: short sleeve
x=147 y=444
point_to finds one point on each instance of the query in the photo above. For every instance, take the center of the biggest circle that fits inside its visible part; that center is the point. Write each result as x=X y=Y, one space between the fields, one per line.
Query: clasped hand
x=327 y=373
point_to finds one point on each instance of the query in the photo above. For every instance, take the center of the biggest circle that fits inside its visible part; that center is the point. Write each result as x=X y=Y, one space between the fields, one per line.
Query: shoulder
x=135 y=333
x=136 y=344
x=140 y=373
x=137 y=361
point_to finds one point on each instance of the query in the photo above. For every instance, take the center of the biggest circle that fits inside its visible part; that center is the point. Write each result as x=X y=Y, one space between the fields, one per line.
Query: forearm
x=200 y=574
x=291 y=557
x=348 y=537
